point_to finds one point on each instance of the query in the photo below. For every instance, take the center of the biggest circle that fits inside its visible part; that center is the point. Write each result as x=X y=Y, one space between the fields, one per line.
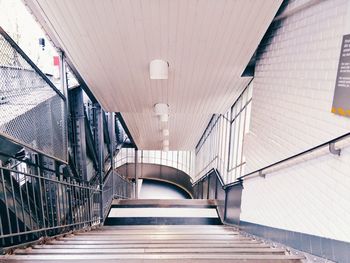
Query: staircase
x=163 y=212
x=153 y=242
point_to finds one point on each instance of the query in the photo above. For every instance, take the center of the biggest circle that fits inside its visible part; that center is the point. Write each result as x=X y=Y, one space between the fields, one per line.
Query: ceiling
x=207 y=44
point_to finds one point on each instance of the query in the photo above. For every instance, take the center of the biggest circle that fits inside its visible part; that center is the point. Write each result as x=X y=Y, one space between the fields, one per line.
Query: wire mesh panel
x=32 y=112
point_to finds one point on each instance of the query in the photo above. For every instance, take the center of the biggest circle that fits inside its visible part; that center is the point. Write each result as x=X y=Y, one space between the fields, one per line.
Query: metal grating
x=32 y=111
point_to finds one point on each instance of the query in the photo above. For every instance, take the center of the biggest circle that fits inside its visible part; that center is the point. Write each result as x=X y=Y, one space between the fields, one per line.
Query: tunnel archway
x=160 y=173
x=156 y=189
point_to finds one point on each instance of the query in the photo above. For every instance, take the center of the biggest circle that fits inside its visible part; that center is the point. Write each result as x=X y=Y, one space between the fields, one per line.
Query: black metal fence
x=38 y=201
x=115 y=187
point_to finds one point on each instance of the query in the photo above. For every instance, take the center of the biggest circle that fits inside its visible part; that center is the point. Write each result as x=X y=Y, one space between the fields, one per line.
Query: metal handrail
x=49 y=179
x=37 y=198
x=239 y=179
x=26 y=161
x=327 y=143
x=218 y=175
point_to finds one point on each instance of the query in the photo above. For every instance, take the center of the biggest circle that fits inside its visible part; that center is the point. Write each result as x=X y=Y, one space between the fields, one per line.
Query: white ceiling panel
x=207 y=44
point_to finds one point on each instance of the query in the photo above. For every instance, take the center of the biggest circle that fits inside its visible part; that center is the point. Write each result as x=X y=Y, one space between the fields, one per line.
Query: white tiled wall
x=293 y=92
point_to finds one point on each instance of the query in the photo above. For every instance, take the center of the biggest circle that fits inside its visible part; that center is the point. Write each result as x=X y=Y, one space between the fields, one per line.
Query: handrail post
x=136 y=177
x=111 y=127
x=100 y=144
x=333 y=150
x=261 y=174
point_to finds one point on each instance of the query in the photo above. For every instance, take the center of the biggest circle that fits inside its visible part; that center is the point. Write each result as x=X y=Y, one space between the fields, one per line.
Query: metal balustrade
x=115 y=187
x=46 y=186
x=181 y=160
x=40 y=202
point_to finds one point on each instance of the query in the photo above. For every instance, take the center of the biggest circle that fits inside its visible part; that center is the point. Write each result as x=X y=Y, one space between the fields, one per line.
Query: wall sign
x=341 y=99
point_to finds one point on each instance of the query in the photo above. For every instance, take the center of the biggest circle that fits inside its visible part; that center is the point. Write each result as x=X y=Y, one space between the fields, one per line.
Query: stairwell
x=155 y=240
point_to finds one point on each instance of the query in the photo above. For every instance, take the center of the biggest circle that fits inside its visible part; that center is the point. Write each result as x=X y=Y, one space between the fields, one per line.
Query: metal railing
x=45 y=187
x=262 y=171
x=115 y=186
x=330 y=144
x=40 y=202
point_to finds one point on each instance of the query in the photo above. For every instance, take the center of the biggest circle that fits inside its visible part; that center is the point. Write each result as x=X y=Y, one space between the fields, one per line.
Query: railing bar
x=28 y=202
x=298 y=154
x=87 y=209
x=22 y=203
x=83 y=204
x=63 y=192
x=1 y=232
x=81 y=207
x=46 y=179
x=58 y=203
x=90 y=204
x=76 y=205
x=35 y=203
x=46 y=201
x=4 y=190
x=15 y=205
x=51 y=202
x=70 y=201
x=42 y=200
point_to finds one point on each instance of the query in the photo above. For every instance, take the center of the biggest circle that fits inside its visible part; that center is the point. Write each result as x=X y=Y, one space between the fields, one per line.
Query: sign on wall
x=341 y=99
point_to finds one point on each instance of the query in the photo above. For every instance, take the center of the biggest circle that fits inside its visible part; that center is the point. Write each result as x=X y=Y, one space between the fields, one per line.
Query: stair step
x=149 y=227
x=159 y=245
x=123 y=257
x=154 y=244
x=157 y=237
x=111 y=221
x=151 y=251
x=193 y=203
x=187 y=242
x=161 y=233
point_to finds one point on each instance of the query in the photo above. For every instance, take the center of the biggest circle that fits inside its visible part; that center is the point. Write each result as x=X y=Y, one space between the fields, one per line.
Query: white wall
x=291 y=111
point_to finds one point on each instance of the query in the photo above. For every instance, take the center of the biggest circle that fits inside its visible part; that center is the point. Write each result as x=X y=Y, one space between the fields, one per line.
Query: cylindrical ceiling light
x=165 y=132
x=162 y=110
x=158 y=69
x=164 y=118
x=166 y=143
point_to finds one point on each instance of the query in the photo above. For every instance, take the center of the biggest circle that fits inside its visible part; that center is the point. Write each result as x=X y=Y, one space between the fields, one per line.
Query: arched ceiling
x=208 y=44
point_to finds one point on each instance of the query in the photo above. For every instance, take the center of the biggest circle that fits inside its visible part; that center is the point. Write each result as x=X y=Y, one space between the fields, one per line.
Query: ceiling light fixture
x=165 y=132
x=158 y=69
x=162 y=110
x=164 y=118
